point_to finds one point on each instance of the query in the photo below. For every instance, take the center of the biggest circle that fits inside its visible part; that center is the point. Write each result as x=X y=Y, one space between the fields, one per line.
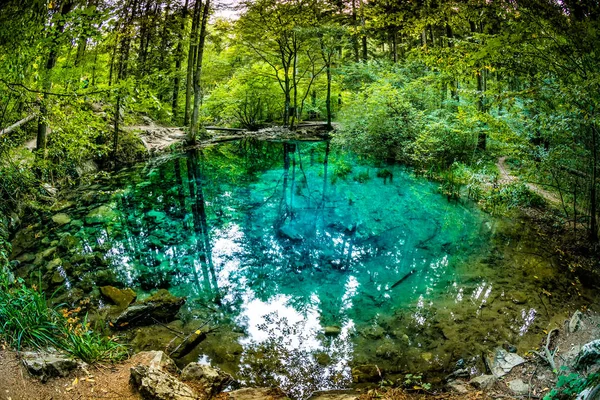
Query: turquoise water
x=306 y=262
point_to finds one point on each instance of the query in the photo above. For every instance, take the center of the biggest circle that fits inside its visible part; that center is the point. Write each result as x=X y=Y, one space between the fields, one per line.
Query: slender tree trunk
x=42 y=131
x=482 y=137
x=116 y=125
x=355 y=35
x=198 y=77
x=328 y=99
x=395 y=46
x=295 y=83
x=191 y=62
x=594 y=185
x=178 y=60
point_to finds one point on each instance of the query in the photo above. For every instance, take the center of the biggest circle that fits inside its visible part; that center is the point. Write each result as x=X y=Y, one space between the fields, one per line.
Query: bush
x=380 y=123
x=511 y=196
x=28 y=322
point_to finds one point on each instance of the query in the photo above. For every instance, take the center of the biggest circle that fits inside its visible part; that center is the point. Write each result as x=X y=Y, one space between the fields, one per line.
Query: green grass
x=28 y=322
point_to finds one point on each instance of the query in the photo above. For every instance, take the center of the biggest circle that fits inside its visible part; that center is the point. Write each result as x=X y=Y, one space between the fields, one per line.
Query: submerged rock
x=332 y=330
x=61 y=219
x=68 y=242
x=212 y=380
x=100 y=215
x=46 y=365
x=289 y=232
x=119 y=297
x=161 y=306
x=366 y=373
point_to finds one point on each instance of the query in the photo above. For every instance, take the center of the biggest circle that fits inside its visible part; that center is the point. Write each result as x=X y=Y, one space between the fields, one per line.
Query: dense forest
x=496 y=102
x=437 y=85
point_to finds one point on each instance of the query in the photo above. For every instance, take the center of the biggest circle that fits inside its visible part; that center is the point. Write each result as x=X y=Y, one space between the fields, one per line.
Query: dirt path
x=506 y=177
x=107 y=382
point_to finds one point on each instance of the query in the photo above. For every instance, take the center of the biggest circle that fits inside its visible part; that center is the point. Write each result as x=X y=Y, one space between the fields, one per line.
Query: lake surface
x=312 y=266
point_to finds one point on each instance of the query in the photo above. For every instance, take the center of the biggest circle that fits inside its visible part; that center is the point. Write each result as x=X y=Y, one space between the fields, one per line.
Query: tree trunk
x=191 y=62
x=328 y=100
x=116 y=125
x=42 y=132
x=178 y=60
x=355 y=35
x=198 y=77
x=594 y=185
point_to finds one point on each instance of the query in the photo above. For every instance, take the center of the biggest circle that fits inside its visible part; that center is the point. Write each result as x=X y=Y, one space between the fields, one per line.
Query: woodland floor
x=506 y=177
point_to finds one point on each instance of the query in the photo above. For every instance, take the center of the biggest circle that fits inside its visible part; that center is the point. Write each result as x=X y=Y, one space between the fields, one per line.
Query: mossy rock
x=120 y=297
x=100 y=215
x=61 y=219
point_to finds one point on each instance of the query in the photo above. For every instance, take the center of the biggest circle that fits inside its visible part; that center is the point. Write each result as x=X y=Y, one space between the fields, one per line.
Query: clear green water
x=275 y=245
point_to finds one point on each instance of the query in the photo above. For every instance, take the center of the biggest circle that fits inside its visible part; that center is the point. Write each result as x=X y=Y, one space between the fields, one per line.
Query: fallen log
x=216 y=128
x=17 y=124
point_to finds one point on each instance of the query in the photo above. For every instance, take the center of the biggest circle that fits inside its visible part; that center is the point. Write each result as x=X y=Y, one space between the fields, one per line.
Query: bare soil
x=100 y=382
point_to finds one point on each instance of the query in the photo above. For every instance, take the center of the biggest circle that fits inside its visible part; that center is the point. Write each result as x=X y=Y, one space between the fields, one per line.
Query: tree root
x=548 y=355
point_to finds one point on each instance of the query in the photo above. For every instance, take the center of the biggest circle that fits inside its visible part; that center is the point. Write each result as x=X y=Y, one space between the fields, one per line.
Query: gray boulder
x=212 y=380
x=155 y=384
x=47 y=365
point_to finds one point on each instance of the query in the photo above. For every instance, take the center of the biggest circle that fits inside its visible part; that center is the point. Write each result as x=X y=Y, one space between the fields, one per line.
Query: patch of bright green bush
x=512 y=196
x=26 y=321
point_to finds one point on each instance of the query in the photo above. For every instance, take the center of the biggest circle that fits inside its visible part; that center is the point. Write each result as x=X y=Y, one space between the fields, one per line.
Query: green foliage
x=415 y=382
x=379 y=122
x=571 y=384
x=513 y=195
x=247 y=100
x=28 y=322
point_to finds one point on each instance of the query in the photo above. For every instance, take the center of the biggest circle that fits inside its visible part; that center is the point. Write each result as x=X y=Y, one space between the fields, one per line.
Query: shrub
x=28 y=322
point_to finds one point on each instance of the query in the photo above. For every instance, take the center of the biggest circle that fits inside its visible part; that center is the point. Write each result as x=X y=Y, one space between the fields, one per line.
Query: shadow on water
x=319 y=269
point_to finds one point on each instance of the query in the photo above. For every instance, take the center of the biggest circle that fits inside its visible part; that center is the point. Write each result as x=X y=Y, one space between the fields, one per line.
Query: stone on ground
x=518 y=387
x=46 y=365
x=458 y=387
x=154 y=384
x=575 y=321
x=256 y=394
x=335 y=395
x=483 y=381
x=503 y=362
x=211 y=379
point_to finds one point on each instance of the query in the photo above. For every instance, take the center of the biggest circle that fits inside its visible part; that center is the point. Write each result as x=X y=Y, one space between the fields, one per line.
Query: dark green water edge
x=309 y=265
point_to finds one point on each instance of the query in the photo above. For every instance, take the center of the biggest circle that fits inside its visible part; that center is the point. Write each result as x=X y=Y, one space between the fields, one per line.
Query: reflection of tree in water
x=289 y=358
